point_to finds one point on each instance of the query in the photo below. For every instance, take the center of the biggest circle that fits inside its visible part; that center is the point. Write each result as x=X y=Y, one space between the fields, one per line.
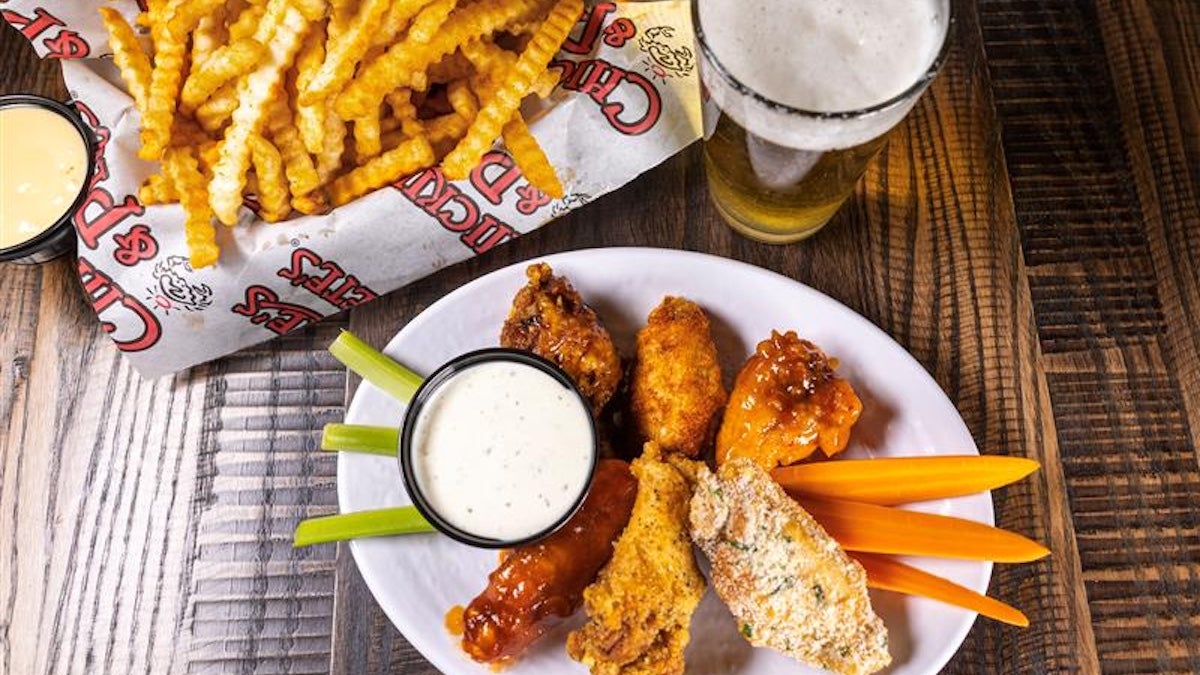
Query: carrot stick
x=886 y=574
x=881 y=529
x=900 y=480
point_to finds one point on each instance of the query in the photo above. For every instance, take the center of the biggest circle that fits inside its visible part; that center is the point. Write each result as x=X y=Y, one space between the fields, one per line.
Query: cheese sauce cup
x=46 y=163
x=498 y=448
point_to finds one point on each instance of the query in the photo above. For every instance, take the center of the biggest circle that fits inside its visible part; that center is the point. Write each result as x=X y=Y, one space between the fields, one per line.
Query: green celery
x=381 y=371
x=345 y=526
x=370 y=440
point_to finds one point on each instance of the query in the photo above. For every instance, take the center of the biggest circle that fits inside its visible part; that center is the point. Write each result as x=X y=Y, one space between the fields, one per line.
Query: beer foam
x=820 y=55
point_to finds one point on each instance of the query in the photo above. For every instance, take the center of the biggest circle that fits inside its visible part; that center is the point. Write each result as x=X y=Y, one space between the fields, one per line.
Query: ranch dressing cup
x=498 y=448
x=46 y=163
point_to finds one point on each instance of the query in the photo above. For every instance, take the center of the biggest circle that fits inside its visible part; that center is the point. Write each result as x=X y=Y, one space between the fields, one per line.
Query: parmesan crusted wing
x=789 y=586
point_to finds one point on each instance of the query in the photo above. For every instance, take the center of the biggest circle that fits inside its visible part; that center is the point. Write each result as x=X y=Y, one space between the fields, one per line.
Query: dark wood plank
x=1097 y=102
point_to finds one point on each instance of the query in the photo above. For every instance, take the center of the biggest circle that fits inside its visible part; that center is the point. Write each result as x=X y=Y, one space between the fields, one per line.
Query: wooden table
x=1031 y=235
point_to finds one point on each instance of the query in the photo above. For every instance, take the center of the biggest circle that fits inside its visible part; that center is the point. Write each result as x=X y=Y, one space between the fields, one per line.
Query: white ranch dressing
x=502 y=450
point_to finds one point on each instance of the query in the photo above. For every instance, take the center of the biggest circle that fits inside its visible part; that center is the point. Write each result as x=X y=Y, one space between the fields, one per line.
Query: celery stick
x=377 y=523
x=370 y=440
x=398 y=381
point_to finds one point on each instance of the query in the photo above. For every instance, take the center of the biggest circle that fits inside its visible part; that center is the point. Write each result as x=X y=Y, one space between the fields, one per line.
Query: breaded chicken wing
x=786 y=403
x=640 y=607
x=676 y=391
x=550 y=319
x=539 y=584
x=787 y=583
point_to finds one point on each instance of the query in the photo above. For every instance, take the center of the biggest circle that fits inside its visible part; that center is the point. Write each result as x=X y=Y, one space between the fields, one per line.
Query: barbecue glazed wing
x=786 y=403
x=539 y=584
x=549 y=319
x=640 y=607
x=787 y=583
x=676 y=390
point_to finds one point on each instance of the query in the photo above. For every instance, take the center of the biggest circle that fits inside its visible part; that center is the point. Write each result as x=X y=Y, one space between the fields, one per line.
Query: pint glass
x=799 y=96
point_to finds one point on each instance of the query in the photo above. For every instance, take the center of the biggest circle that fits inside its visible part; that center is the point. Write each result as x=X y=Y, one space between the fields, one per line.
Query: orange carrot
x=881 y=529
x=886 y=574
x=900 y=480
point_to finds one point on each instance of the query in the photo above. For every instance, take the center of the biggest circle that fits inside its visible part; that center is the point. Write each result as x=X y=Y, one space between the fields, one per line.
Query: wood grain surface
x=1031 y=234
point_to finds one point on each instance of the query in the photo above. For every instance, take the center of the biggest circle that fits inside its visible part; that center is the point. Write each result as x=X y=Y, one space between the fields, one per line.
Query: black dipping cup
x=58 y=239
x=440 y=377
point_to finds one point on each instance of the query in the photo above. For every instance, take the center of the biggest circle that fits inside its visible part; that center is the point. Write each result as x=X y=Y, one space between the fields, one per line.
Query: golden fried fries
x=181 y=170
x=406 y=158
x=345 y=53
x=529 y=157
x=506 y=99
x=283 y=28
x=296 y=106
x=223 y=65
x=133 y=63
x=273 y=196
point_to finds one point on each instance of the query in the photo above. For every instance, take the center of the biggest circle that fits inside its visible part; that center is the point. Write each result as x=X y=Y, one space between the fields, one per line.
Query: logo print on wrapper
x=174 y=291
x=662 y=59
x=569 y=203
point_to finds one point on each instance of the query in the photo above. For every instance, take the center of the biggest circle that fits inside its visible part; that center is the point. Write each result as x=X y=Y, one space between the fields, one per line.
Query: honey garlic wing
x=539 y=584
x=550 y=319
x=786 y=403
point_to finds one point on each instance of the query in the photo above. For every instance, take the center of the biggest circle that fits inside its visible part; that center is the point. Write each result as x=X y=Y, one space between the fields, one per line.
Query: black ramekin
x=59 y=238
x=426 y=391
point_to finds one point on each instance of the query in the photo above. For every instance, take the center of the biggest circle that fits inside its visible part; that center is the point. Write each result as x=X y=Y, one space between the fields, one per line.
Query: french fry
x=329 y=160
x=462 y=99
x=450 y=126
x=427 y=22
x=247 y=22
x=396 y=20
x=310 y=118
x=283 y=27
x=187 y=15
x=225 y=64
x=311 y=204
x=128 y=55
x=506 y=99
x=345 y=52
x=298 y=164
x=367 y=141
x=546 y=83
x=273 y=194
x=403 y=110
x=208 y=37
x=218 y=109
x=401 y=63
x=409 y=156
x=157 y=190
x=530 y=158
x=170 y=48
x=182 y=171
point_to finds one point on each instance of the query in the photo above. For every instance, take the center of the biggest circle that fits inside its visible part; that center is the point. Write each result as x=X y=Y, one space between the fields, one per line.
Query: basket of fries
x=263 y=163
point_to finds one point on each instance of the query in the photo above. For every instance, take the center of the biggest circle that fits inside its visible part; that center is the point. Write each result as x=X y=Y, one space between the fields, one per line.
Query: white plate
x=417 y=578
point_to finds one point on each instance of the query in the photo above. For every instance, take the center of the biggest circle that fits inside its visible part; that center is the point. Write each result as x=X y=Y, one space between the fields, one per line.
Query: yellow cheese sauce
x=43 y=166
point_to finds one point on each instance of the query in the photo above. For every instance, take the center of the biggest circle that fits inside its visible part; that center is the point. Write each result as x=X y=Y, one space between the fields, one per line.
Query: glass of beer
x=799 y=96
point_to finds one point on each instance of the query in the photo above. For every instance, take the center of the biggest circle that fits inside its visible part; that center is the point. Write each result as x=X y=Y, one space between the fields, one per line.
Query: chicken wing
x=550 y=319
x=640 y=607
x=786 y=403
x=676 y=392
x=789 y=586
x=539 y=584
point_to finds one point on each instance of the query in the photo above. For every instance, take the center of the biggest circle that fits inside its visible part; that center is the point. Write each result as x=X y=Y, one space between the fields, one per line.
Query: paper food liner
x=628 y=99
